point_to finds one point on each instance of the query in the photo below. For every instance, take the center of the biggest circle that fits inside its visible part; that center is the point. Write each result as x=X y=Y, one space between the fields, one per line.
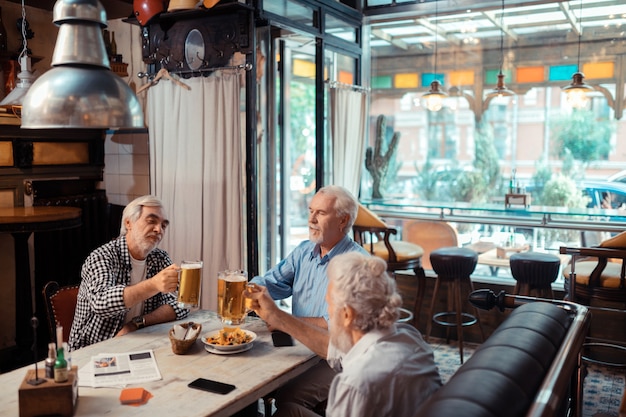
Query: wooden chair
x=601 y=279
x=600 y=274
x=596 y=278
x=371 y=232
x=60 y=305
x=430 y=236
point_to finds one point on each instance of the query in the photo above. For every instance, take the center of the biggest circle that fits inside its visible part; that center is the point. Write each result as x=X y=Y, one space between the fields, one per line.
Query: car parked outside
x=605 y=194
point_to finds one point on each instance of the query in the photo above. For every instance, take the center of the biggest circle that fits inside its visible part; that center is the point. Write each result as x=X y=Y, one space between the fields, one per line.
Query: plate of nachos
x=229 y=340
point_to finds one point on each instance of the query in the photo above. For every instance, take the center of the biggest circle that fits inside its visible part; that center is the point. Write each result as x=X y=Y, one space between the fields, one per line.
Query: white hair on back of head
x=132 y=211
x=362 y=283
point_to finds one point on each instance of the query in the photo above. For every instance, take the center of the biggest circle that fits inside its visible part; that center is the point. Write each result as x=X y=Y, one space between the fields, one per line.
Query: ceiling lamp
x=80 y=91
x=577 y=91
x=434 y=97
x=501 y=90
x=15 y=98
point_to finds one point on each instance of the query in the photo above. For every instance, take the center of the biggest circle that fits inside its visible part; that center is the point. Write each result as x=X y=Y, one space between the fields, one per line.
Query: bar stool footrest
x=616 y=351
x=467 y=319
x=406 y=315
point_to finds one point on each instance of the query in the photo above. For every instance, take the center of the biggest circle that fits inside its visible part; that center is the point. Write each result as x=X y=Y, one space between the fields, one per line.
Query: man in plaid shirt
x=127 y=284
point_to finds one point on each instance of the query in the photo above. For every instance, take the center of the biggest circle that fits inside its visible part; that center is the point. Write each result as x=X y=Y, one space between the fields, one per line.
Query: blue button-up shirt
x=302 y=275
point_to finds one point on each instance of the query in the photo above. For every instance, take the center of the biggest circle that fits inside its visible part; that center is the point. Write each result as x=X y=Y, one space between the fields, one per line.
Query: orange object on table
x=134 y=396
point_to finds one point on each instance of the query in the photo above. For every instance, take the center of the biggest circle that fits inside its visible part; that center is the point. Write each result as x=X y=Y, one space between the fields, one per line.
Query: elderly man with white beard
x=384 y=368
x=127 y=283
x=302 y=276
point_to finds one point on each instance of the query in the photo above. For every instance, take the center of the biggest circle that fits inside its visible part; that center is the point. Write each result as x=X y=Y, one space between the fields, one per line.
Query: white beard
x=340 y=338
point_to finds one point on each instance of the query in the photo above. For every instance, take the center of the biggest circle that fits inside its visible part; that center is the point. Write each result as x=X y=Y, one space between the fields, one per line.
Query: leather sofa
x=529 y=366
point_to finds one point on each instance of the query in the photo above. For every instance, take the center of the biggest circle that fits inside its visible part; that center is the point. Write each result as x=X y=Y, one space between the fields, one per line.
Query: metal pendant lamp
x=80 y=91
x=15 y=98
x=577 y=91
x=501 y=90
x=435 y=96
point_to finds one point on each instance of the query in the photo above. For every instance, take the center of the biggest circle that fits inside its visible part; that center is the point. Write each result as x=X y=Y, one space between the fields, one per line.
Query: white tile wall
x=127 y=166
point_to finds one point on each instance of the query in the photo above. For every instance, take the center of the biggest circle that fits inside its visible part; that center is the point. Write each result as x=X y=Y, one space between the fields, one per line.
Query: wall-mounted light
x=435 y=96
x=80 y=91
x=501 y=90
x=577 y=91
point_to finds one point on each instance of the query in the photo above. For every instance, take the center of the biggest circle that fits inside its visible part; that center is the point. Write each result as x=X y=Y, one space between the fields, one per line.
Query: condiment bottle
x=113 y=46
x=60 y=366
x=52 y=357
x=68 y=356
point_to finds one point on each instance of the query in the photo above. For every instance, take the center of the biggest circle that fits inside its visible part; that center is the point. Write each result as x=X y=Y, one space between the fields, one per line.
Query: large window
x=535 y=132
x=479 y=147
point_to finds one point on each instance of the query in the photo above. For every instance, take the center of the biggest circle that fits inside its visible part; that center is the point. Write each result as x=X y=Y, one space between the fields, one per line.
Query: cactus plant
x=376 y=160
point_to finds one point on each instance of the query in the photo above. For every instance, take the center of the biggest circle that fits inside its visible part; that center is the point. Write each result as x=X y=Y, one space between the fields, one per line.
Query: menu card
x=119 y=369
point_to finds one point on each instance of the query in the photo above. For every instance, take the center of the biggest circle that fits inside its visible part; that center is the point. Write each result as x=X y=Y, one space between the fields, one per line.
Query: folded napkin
x=191 y=332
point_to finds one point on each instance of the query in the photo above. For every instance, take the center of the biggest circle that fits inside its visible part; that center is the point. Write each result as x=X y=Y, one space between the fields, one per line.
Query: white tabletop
x=255 y=373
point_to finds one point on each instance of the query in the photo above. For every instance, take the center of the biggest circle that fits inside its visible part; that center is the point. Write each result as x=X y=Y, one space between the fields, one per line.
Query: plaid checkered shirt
x=100 y=310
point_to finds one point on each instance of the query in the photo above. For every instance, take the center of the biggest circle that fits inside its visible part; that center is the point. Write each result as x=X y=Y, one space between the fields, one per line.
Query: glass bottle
x=3 y=36
x=50 y=360
x=60 y=366
x=113 y=46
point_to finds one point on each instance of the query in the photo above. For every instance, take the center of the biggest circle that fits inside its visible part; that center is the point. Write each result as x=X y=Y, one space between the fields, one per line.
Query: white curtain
x=348 y=109
x=196 y=163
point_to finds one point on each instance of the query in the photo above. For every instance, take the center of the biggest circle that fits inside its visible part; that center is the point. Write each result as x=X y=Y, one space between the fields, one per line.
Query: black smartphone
x=211 y=386
x=281 y=338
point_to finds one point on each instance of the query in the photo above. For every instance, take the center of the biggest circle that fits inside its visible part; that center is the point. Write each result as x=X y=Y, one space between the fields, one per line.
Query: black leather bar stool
x=453 y=266
x=535 y=271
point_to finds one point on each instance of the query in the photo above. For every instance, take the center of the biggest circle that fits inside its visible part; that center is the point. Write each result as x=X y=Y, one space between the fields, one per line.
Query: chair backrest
x=60 y=305
x=430 y=236
x=367 y=218
x=368 y=229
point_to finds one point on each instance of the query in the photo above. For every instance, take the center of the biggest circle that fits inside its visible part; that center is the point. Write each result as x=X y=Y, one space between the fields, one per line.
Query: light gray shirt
x=387 y=372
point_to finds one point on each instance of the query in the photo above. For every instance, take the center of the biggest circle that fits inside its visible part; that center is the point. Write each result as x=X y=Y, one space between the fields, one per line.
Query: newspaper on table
x=119 y=369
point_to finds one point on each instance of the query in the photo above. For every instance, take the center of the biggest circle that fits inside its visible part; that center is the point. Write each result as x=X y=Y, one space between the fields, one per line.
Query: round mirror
x=194 y=49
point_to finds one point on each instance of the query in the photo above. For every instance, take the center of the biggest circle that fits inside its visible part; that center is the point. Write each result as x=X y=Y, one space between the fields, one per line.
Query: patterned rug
x=603 y=388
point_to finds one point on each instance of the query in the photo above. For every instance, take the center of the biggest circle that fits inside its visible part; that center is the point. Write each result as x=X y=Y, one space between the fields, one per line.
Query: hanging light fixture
x=501 y=90
x=434 y=97
x=15 y=98
x=577 y=91
x=80 y=91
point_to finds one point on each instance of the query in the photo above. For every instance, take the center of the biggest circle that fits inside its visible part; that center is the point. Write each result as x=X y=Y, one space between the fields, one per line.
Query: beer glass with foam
x=189 y=284
x=231 y=303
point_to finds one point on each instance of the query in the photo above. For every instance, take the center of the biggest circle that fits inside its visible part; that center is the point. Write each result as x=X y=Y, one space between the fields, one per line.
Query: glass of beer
x=231 y=303
x=189 y=284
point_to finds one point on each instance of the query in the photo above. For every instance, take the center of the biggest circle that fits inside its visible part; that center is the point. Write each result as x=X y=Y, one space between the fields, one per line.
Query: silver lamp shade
x=80 y=91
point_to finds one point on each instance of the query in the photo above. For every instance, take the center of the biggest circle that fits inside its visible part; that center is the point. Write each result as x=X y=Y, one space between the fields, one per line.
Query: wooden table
x=255 y=373
x=21 y=222
x=491 y=259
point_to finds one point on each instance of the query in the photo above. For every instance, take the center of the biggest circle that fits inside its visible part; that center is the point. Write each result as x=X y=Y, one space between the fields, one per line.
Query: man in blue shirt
x=302 y=275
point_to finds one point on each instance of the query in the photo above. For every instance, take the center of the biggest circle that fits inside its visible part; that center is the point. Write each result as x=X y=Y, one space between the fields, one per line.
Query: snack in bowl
x=230 y=337
x=229 y=340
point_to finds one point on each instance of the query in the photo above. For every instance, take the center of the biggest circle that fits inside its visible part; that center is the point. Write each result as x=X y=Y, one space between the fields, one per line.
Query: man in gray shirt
x=384 y=368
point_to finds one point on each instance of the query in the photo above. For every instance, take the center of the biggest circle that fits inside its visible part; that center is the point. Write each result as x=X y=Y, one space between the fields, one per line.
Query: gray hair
x=361 y=282
x=345 y=203
x=132 y=211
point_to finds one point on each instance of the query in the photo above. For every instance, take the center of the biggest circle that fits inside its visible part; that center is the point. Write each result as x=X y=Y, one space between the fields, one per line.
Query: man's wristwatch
x=139 y=321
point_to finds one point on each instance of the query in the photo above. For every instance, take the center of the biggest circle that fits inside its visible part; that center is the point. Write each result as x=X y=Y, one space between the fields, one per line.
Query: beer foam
x=234 y=278
x=197 y=265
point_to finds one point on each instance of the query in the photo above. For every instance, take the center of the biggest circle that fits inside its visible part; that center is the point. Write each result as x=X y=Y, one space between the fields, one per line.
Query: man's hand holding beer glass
x=190 y=284
x=232 y=306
